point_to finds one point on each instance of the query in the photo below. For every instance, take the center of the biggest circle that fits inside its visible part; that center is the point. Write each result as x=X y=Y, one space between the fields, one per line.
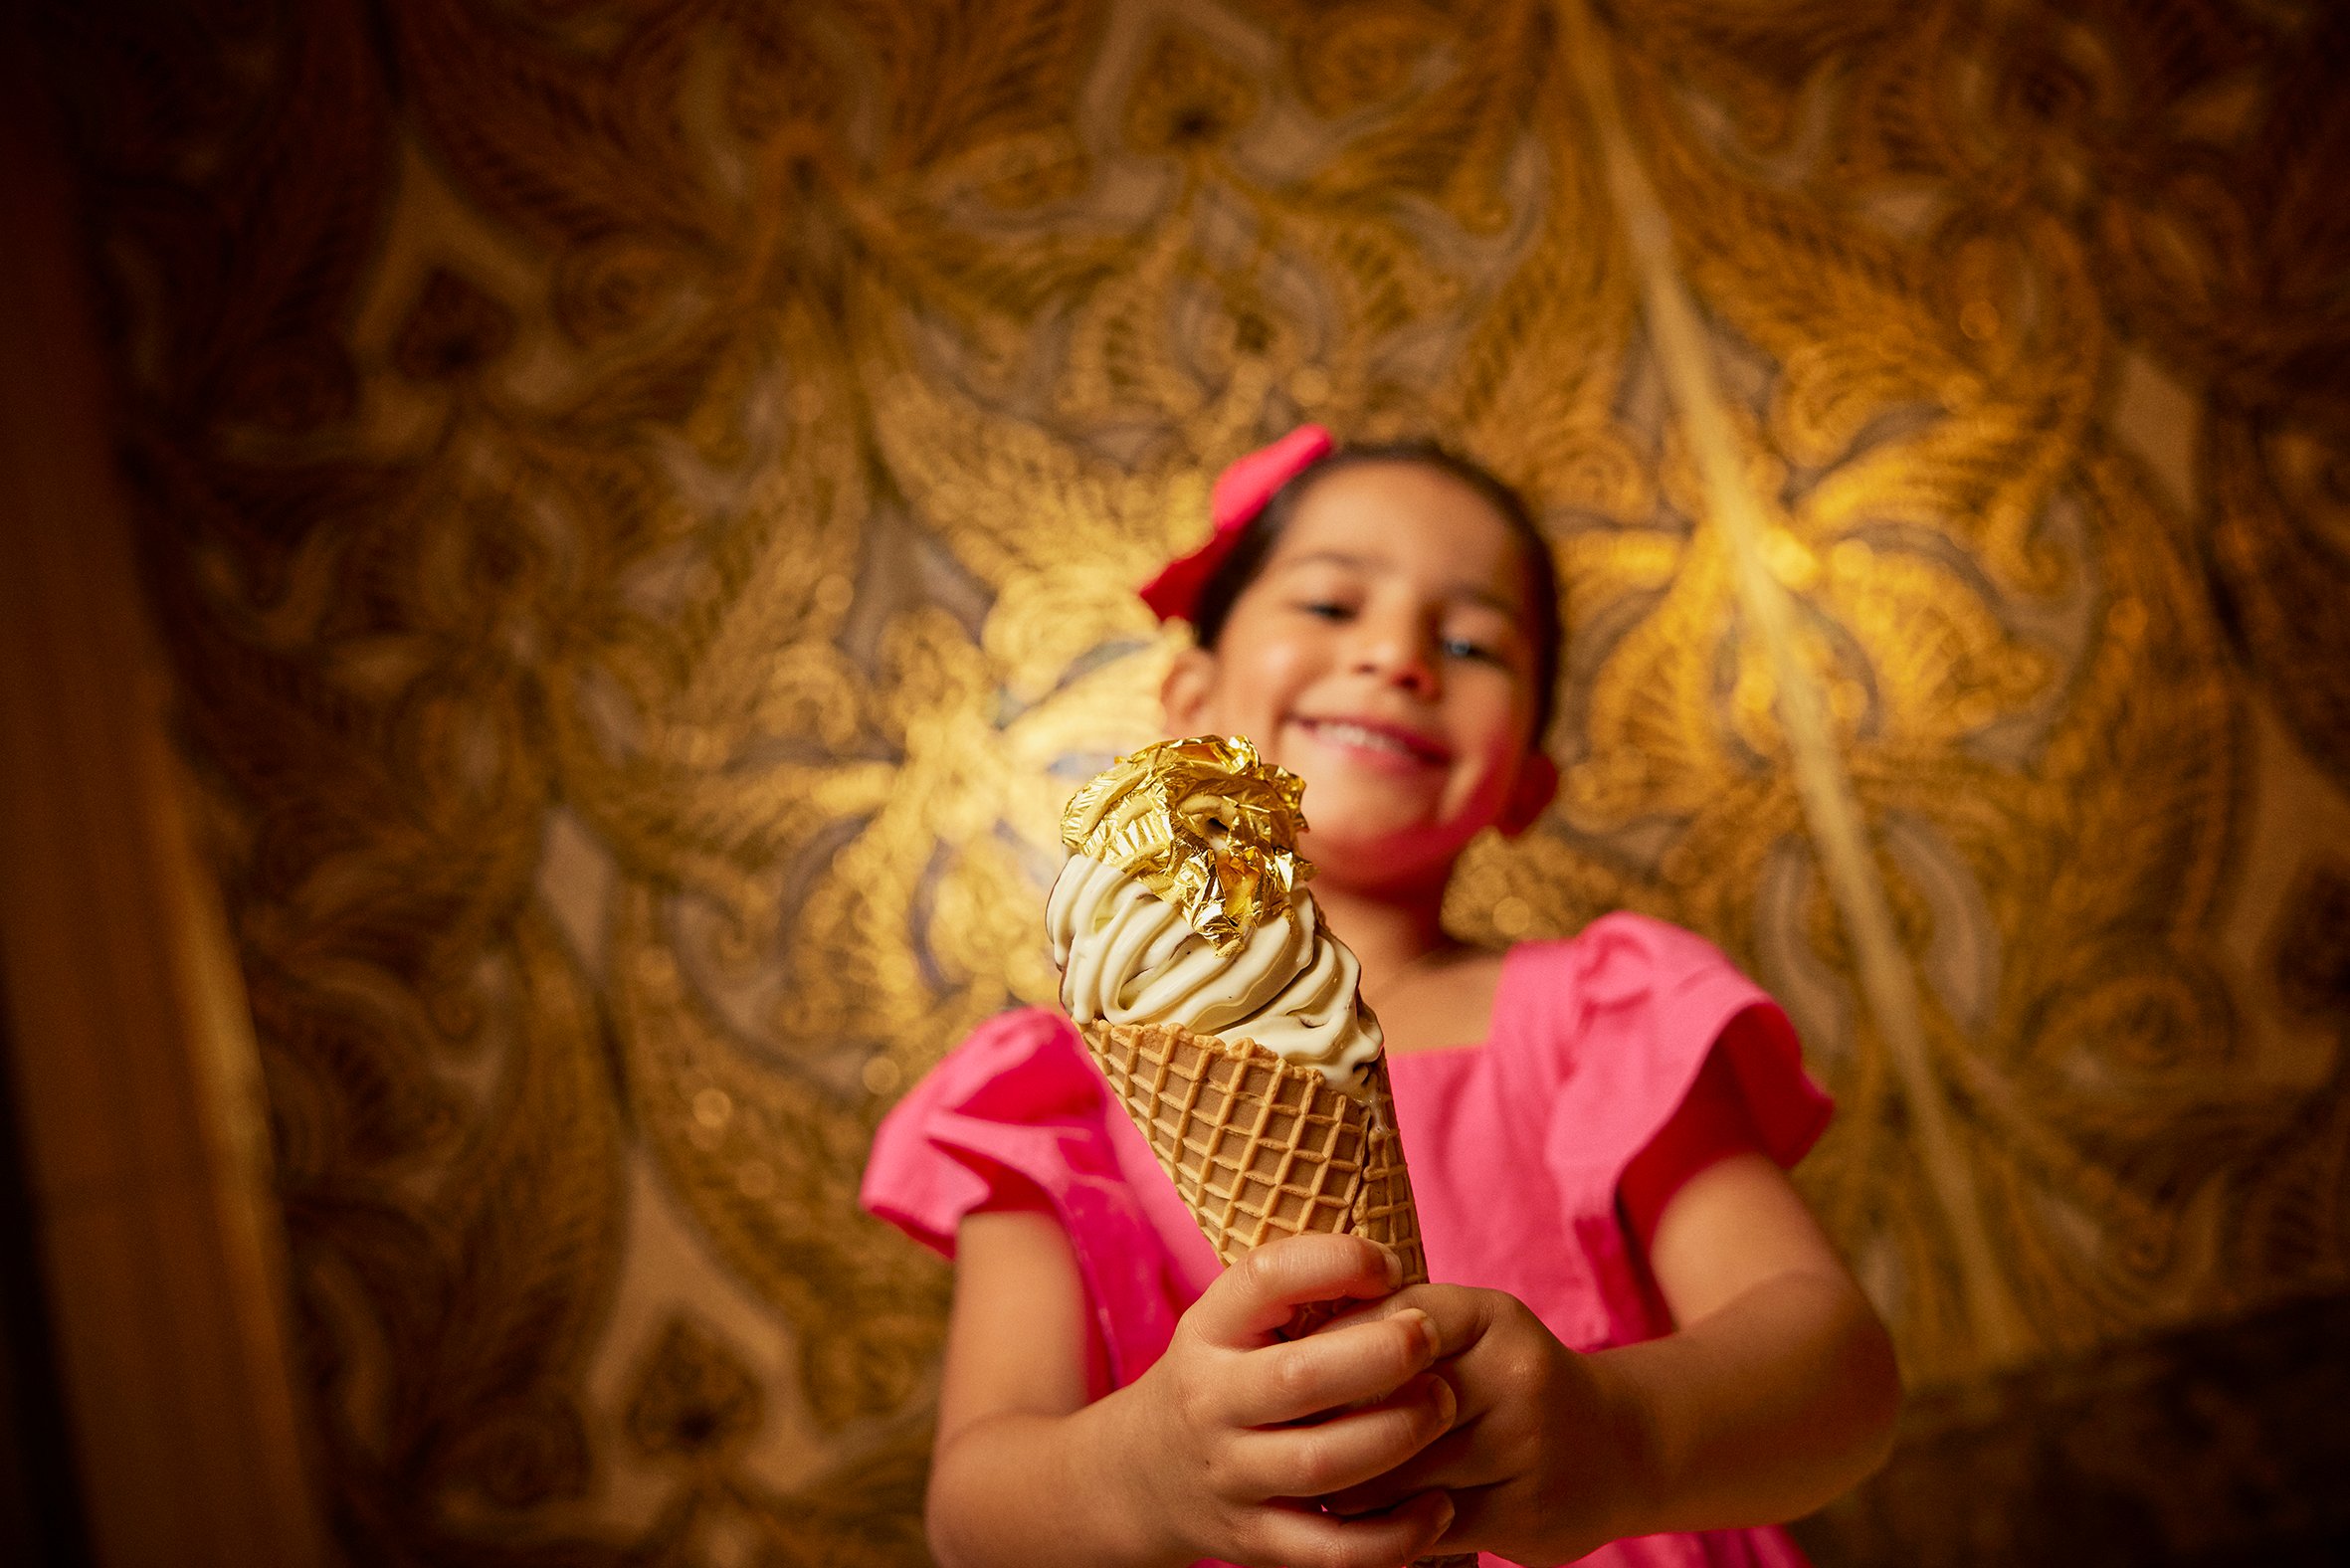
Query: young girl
x=1638 y=1335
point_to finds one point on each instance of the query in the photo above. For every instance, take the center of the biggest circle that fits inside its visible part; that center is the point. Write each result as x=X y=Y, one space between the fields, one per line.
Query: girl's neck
x=1388 y=929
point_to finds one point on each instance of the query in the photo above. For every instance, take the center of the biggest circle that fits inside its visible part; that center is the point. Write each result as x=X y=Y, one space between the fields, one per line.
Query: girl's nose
x=1398 y=651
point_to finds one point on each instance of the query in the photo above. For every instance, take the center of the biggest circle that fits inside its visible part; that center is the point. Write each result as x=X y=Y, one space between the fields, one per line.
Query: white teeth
x=1357 y=735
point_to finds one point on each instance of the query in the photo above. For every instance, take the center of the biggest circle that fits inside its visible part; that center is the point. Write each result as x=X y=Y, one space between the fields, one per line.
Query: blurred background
x=639 y=501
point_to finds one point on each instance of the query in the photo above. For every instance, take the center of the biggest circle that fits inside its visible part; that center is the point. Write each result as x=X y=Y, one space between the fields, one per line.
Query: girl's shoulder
x=1490 y=994
x=1018 y=1118
x=1615 y=1022
x=1013 y=1110
x=1617 y=958
x=1023 y=1063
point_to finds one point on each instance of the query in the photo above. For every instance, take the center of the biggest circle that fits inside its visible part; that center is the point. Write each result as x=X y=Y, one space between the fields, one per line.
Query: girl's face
x=1382 y=655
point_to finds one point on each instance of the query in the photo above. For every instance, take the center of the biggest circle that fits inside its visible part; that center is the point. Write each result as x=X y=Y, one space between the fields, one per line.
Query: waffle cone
x=1260 y=1147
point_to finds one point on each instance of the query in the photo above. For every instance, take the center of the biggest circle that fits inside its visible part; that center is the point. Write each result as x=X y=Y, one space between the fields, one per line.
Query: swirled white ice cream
x=1127 y=956
x=1219 y=834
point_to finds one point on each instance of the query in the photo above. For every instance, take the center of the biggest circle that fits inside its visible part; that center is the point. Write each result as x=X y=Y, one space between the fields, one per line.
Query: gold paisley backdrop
x=643 y=498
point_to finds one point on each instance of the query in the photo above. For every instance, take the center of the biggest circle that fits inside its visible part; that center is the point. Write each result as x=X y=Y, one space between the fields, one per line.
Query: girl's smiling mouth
x=1379 y=739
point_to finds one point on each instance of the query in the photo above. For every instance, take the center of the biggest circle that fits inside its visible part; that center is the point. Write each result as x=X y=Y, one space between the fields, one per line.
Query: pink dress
x=1515 y=1148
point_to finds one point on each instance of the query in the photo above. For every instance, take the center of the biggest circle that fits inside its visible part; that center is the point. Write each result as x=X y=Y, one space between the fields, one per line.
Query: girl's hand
x=1776 y=1391
x=1539 y=1454
x=1235 y=1432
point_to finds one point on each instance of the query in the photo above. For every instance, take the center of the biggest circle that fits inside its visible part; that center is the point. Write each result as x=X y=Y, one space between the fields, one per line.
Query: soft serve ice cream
x=1181 y=904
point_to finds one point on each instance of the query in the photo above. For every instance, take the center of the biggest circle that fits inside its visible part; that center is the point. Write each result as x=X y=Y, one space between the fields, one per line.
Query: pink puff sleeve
x=1642 y=1006
x=1014 y=1117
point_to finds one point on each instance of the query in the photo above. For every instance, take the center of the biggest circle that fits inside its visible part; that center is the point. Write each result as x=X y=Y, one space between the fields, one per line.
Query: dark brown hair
x=1246 y=560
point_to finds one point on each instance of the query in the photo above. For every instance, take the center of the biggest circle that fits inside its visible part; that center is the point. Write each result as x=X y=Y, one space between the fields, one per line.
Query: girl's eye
x=1470 y=647
x=1328 y=609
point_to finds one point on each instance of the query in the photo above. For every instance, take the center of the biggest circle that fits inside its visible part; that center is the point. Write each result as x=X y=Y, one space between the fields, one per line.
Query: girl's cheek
x=1274 y=676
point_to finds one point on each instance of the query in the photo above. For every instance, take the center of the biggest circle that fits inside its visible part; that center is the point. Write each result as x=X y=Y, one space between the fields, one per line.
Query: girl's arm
x=1780 y=1390
x=1776 y=1391
x=1199 y=1455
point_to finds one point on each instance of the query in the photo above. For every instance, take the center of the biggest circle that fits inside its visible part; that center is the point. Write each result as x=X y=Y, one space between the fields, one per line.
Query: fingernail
x=1395 y=1269
x=1447 y=1402
x=1444 y=1513
x=1425 y=1326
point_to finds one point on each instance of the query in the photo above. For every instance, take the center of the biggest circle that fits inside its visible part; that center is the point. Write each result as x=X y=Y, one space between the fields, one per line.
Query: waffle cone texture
x=1262 y=1148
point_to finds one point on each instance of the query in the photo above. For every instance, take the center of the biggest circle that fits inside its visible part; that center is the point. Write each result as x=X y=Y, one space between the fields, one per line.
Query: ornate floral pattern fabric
x=644 y=502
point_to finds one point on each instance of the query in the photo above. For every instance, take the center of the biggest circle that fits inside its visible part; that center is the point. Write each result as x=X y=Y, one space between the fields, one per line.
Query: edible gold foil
x=1206 y=824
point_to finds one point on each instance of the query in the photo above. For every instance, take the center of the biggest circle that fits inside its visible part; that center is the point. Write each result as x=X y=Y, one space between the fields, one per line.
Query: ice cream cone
x=1260 y=1142
x=1261 y=1148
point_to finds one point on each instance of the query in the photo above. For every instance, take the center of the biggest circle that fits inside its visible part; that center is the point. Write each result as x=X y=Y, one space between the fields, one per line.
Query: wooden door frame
x=135 y=1078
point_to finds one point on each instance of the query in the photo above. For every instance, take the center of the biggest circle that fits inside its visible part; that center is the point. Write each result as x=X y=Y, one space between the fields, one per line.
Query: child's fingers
x=1324 y=1371
x=1255 y=1295
x=1461 y=1313
x=1480 y=1509
x=1303 y=1535
x=1450 y=1457
x=1345 y=1451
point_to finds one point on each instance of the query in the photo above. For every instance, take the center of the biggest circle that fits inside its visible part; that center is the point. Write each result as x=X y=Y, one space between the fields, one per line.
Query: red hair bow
x=1239 y=494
